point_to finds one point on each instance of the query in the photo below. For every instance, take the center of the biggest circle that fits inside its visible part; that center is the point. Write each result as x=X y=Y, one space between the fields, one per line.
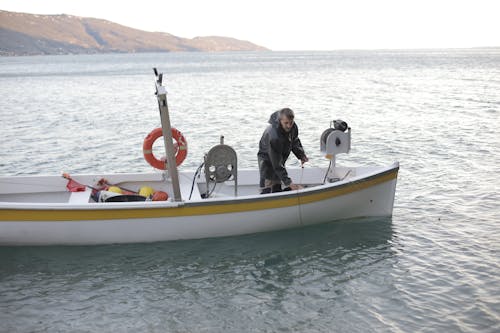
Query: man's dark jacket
x=275 y=147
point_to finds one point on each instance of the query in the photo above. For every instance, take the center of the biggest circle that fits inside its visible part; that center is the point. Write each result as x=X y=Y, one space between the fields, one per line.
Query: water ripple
x=432 y=267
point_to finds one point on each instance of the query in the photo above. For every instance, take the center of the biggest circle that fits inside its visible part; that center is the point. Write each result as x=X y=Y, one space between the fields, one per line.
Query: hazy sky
x=299 y=25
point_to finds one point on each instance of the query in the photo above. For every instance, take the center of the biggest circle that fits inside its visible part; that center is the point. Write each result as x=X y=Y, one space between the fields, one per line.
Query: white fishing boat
x=214 y=201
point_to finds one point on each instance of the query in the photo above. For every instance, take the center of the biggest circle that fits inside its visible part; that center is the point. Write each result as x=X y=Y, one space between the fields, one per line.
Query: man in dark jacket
x=279 y=139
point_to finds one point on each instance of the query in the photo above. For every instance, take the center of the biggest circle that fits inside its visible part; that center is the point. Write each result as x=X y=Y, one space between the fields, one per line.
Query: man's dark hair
x=287 y=112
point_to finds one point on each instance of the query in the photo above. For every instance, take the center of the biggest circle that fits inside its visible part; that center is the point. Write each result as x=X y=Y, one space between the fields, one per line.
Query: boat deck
x=52 y=189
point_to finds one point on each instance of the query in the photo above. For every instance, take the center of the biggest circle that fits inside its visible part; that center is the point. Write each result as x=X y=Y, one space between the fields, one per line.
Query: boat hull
x=59 y=224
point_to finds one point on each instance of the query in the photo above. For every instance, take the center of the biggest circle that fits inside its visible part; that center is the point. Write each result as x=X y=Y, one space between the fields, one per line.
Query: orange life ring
x=180 y=146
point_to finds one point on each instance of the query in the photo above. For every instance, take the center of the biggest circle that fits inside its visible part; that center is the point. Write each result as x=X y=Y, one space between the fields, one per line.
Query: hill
x=31 y=34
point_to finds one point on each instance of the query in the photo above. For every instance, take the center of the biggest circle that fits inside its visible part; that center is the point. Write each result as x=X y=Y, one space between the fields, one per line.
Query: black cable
x=194 y=179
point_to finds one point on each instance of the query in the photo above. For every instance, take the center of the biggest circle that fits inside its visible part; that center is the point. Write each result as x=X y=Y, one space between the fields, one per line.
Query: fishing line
x=347 y=174
x=327 y=170
x=298 y=196
x=212 y=191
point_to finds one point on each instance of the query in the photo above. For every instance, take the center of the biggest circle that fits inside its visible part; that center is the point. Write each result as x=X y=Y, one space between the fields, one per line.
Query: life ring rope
x=180 y=146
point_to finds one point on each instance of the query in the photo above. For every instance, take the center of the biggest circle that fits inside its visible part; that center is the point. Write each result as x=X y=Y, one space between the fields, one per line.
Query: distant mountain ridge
x=31 y=34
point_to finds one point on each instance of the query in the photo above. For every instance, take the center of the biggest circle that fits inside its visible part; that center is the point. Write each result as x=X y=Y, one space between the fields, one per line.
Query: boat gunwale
x=199 y=207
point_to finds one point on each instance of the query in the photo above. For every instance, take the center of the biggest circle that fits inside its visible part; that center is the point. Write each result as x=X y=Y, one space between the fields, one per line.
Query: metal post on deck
x=161 y=94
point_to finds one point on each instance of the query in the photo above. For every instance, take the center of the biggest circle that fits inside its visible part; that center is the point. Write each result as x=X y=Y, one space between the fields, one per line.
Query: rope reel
x=221 y=165
x=335 y=140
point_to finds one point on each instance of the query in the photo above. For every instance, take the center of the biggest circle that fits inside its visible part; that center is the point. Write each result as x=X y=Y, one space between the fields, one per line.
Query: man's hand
x=304 y=160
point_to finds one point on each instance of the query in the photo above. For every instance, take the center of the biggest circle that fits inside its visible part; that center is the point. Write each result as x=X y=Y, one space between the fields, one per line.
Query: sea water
x=433 y=267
